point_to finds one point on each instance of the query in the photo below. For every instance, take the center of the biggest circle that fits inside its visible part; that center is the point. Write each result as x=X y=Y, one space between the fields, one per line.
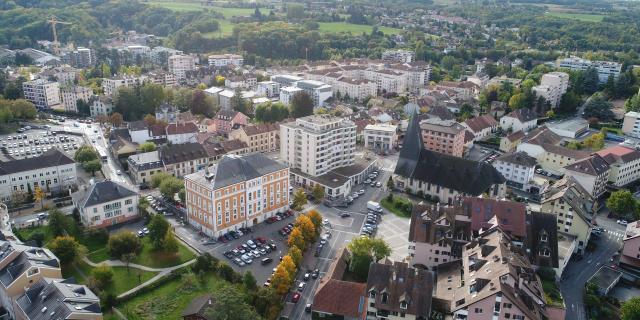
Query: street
x=578 y=273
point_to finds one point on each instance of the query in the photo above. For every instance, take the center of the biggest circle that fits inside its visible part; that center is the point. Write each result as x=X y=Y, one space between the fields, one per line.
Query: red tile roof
x=181 y=128
x=341 y=298
x=511 y=216
x=477 y=124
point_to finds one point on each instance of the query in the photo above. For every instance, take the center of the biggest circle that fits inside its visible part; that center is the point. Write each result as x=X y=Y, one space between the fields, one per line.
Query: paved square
x=395 y=231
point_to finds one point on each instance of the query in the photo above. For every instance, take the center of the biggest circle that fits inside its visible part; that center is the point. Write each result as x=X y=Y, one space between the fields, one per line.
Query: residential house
x=143 y=166
x=139 y=131
x=481 y=126
x=631 y=124
x=523 y=119
x=630 y=257
x=44 y=94
x=592 y=173
x=553 y=86
x=624 y=163
x=227 y=59
x=71 y=95
x=198 y=308
x=510 y=142
x=58 y=299
x=381 y=137
x=544 y=145
x=167 y=113
x=179 y=133
x=268 y=89
x=106 y=203
x=180 y=64
x=444 y=136
x=100 y=106
x=182 y=159
x=518 y=168
x=259 y=137
x=227 y=120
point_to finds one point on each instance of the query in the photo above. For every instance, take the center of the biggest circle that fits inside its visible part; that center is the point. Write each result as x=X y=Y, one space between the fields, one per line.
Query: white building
x=591 y=173
x=380 y=137
x=110 y=86
x=179 y=133
x=287 y=93
x=221 y=60
x=388 y=80
x=43 y=93
x=624 y=163
x=160 y=55
x=398 y=55
x=552 y=86
x=631 y=124
x=268 y=89
x=519 y=120
x=139 y=51
x=179 y=64
x=285 y=80
x=518 y=168
x=53 y=171
x=81 y=57
x=604 y=68
x=106 y=203
x=71 y=95
x=100 y=106
x=318 y=144
x=354 y=88
x=318 y=91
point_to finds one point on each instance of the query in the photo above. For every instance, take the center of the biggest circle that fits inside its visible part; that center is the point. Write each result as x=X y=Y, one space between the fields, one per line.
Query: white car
x=622 y=222
x=361 y=192
x=355 y=195
x=118 y=172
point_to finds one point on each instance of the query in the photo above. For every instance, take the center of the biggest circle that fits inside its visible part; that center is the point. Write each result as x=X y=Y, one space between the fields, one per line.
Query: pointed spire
x=412 y=146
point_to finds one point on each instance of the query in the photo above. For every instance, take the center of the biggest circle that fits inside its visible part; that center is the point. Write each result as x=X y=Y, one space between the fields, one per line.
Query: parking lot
x=32 y=143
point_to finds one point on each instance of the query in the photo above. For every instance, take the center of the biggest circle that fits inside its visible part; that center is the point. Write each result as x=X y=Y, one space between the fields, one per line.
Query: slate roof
x=103 y=192
x=198 y=306
x=463 y=175
x=519 y=158
x=26 y=257
x=516 y=136
x=511 y=216
x=232 y=169
x=441 y=112
x=58 y=299
x=594 y=165
x=226 y=115
x=51 y=158
x=138 y=125
x=402 y=284
x=480 y=123
x=543 y=224
x=523 y=115
x=177 y=153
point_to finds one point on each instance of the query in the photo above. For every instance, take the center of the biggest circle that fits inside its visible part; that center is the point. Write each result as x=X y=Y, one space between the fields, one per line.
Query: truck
x=374 y=206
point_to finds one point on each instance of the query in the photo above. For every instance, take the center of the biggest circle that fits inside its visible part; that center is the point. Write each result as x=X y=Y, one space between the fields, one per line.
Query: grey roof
x=197 y=305
x=57 y=299
x=594 y=165
x=177 y=153
x=523 y=115
x=463 y=175
x=49 y=159
x=402 y=284
x=519 y=158
x=104 y=191
x=138 y=125
x=145 y=161
x=28 y=256
x=543 y=224
x=234 y=169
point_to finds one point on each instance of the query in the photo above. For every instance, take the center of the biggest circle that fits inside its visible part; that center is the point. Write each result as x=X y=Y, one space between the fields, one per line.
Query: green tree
x=85 y=154
x=92 y=166
x=249 y=280
x=299 y=199
x=158 y=178
x=238 y=103
x=518 y=101
x=623 y=203
x=296 y=255
x=598 y=107
x=102 y=276
x=363 y=251
x=318 y=192
x=169 y=243
x=301 y=105
x=158 y=227
x=226 y=272
x=630 y=309
x=295 y=11
x=148 y=146
x=595 y=142
x=170 y=186
x=633 y=103
x=569 y=103
x=205 y=263
x=123 y=243
x=390 y=183
x=127 y=102
x=67 y=249
x=58 y=223
x=151 y=96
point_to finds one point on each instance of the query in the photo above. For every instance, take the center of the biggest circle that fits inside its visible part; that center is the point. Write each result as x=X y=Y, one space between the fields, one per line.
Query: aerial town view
x=312 y=160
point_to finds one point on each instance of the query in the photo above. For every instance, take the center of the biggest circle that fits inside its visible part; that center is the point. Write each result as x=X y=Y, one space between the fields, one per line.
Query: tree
x=38 y=237
x=307 y=228
x=238 y=103
x=290 y=266
x=202 y=104
x=295 y=11
x=116 y=119
x=151 y=96
x=102 y=276
x=299 y=199
x=598 y=107
x=102 y=119
x=281 y=280
x=249 y=280
x=148 y=146
x=295 y=254
x=66 y=248
x=170 y=186
x=205 y=263
x=569 y=102
x=158 y=227
x=85 y=153
x=632 y=104
x=594 y=142
x=169 y=243
x=390 y=183
x=158 y=178
x=127 y=258
x=630 y=309
x=92 y=166
x=226 y=272
x=363 y=251
x=301 y=105
x=623 y=203
x=150 y=119
x=123 y=243
x=316 y=219
x=590 y=83
x=58 y=223
x=518 y=101
x=296 y=239
x=271 y=112
x=38 y=196
x=318 y=192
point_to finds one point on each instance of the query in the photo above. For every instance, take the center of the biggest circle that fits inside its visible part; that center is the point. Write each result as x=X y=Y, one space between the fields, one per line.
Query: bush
x=407 y=190
x=420 y=194
x=547 y=274
x=122 y=243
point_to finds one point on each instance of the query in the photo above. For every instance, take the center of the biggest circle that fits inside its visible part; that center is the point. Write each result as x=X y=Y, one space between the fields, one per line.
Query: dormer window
x=403 y=305
x=545 y=252
x=372 y=294
x=543 y=237
x=385 y=297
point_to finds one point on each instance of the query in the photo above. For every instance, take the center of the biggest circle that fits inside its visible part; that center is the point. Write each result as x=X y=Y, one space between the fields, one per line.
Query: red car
x=262 y=240
x=295 y=298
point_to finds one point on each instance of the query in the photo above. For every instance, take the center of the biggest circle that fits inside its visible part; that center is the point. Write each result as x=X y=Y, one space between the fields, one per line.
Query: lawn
x=576 y=16
x=353 y=28
x=149 y=257
x=91 y=242
x=123 y=280
x=197 y=6
x=400 y=206
x=169 y=299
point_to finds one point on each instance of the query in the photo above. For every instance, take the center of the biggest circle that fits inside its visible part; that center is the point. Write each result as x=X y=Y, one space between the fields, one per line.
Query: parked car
x=306 y=276
x=295 y=298
x=315 y=274
x=345 y=215
x=301 y=286
x=307 y=308
x=266 y=261
x=622 y=222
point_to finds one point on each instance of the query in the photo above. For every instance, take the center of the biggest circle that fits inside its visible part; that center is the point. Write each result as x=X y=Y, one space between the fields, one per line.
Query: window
x=372 y=294
x=385 y=297
x=33 y=271
x=478 y=310
x=403 y=305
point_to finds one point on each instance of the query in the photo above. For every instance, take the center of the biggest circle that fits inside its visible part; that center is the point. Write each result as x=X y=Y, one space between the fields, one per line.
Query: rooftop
x=102 y=192
x=51 y=158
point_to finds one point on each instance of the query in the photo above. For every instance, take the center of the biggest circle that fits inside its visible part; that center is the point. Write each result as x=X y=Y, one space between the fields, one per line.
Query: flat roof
x=572 y=125
x=606 y=277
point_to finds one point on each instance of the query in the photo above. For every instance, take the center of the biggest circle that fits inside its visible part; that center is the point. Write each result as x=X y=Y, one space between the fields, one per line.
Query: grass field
x=197 y=6
x=123 y=280
x=148 y=257
x=576 y=16
x=353 y=28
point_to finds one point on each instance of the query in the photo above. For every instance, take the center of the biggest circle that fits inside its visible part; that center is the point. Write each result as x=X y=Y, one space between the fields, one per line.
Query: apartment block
x=258 y=137
x=222 y=60
x=162 y=78
x=381 y=137
x=604 y=68
x=58 y=299
x=80 y=58
x=318 y=91
x=444 y=136
x=160 y=55
x=71 y=95
x=182 y=159
x=43 y=93
x=287 y=94
x=268 y=89
x=318 y=144
x=143 y=166
x=592 y=173
x=357 y=89
x=631 y=124
x=285 y=80
x=630 y=258
x=518 y=168
x=398 y=55
x=100 y=105
x=624 y=164
x=552 y=87
x=110 y=86
x=180 y=64
x=238 y=191
x=106 y=203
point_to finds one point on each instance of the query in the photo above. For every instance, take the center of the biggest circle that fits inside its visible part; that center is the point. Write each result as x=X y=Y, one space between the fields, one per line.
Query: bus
x=103 y=155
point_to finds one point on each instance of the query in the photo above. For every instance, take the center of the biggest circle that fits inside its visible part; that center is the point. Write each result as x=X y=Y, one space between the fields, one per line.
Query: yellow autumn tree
x=296 y=239
x=316 y=219
x=307 y=228
x=281 y=280
x=290 y=266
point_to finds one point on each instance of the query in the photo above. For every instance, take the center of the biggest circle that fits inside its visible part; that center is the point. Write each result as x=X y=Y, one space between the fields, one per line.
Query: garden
x=400 y=206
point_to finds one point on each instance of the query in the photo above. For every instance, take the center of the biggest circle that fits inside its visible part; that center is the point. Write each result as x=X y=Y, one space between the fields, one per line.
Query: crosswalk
x=615 y=234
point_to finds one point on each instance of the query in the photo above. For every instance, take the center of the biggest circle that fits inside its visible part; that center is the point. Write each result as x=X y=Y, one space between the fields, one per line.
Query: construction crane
x=54 y=21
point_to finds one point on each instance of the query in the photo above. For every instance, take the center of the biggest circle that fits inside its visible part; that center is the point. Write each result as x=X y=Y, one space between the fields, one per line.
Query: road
x=578 y=273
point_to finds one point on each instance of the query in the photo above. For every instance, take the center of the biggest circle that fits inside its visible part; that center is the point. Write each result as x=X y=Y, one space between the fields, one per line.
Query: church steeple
x=412 y=146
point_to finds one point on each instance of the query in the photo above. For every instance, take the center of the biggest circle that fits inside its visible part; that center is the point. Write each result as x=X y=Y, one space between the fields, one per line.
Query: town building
x=571 y=128
x=223 y=60
x=106 y=203
x=143 y=166
x=574 y=208
x=100 y=106
x=481 y=126
x=553 y=86
x=523 y=119
x=397 y=291
x=592 y=173
x=110 y=86
x=238 y=191
x=162 y=78
x=398 y=55
x=518 y=168
x=227 y=120
x=444 y=136
x=544 y=145
x=80 y=58
x=65 y=75
x=21 y=266
x=381 y=137
x=624 y=163
x=58 y=299
x=52 y=171
x=244 y=81
x=138 y=52
x=160 y=55
x=199 y=308
x=180 y=64
x=510 y=142
x=631 y=124
x=318 y=91
x=357 y=89
x=630 y=254
x=71 y=95
x=182 y=159
x=44 y=94
x=258 y=137
x=182 y=132
x=441 y=176
x=287 y=93
x=268 y=89
x=465 y=90
x=605 y=69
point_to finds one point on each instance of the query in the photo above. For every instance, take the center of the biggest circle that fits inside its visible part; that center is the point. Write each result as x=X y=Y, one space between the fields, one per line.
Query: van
x=374 y=206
